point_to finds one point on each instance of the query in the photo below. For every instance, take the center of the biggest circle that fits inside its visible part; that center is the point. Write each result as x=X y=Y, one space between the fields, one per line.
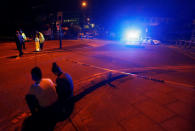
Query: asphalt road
x=83 y=60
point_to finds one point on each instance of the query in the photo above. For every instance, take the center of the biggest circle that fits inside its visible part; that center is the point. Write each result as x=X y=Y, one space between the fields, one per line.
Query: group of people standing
x=21 y=39
x=39 y=41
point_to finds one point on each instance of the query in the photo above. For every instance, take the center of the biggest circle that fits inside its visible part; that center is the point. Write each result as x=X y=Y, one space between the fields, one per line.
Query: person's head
x=56 y=69
x=17 y=32
x=36 y=35
x=36 y=74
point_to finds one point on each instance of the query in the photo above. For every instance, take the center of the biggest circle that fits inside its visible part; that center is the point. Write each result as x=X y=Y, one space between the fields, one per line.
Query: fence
x=185 y=43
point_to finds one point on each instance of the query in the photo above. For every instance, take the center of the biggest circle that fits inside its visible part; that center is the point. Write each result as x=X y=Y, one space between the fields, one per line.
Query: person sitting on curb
x=42 y=100
x=64 y=88
x=42 y=94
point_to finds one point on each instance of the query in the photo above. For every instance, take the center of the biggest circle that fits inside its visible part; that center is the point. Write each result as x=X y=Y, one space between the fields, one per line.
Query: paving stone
x=183 y=109
x=184 y=96
x=140 y=123
x=177 y=124
x=64 y=126
x=118 y=107
x=163 y=88
x=136 y=85
x=129 y=96
x=128 y=92
x=160 y=97
x=104 y=126
x=91 y=98
x=155 y=111
x=128 y=106
x=99 y=121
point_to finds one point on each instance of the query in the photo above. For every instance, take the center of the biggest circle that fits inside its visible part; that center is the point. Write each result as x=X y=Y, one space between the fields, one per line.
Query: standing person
x=42 y=93
x=64 y=85
x=41 y=39
x=19 y=40
x=37 y=42
x=24 y=39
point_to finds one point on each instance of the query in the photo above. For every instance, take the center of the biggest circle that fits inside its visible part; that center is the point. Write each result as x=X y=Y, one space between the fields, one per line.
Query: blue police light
x=132 y=35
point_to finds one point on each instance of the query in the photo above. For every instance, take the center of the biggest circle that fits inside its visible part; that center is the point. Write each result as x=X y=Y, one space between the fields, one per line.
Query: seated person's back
x=42 y=93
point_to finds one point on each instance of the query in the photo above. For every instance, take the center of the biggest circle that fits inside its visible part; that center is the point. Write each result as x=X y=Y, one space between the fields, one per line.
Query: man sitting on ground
x=64 y=84
x=42 y=94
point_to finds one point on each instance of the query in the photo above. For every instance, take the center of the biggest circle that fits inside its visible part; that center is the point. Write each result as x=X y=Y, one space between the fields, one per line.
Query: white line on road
x=182 y=67
x=135 y=75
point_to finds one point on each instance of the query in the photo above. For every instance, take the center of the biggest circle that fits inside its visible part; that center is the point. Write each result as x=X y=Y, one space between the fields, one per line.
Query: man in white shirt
x=42 y=93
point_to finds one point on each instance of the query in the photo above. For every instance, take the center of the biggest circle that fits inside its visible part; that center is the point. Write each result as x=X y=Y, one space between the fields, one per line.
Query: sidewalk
x=126 y=104
x=129 y=103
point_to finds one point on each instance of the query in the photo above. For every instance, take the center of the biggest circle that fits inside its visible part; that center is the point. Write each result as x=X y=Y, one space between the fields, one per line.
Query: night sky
x=23 y=11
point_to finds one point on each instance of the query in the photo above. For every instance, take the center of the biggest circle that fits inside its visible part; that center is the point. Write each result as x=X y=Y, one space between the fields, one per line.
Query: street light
x=84 y=4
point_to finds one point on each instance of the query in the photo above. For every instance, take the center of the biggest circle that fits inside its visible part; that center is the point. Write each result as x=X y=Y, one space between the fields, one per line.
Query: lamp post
x=84 y=5
x=60 y=36
x=59 y=24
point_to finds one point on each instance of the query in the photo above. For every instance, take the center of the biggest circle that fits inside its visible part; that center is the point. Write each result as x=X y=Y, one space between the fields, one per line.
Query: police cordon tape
x=135 y=75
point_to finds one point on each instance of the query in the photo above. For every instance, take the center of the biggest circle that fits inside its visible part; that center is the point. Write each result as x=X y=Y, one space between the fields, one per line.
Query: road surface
x=88 y=61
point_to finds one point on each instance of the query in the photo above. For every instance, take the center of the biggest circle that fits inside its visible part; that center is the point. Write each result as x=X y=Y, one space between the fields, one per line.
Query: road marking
x=180 y=84
x=162 y=68
x=135 y=75
x=91 y=77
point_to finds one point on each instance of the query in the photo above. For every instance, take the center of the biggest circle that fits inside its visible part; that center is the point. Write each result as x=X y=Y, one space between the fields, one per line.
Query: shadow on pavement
x=46 y=121
x=14 y=49
x=12 y=57
x=96 y=86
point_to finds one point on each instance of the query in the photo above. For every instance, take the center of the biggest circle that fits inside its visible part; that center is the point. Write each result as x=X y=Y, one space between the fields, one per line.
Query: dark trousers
x=23 y=45
x=41 y=46
x=46 y=118
x=19 y=47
